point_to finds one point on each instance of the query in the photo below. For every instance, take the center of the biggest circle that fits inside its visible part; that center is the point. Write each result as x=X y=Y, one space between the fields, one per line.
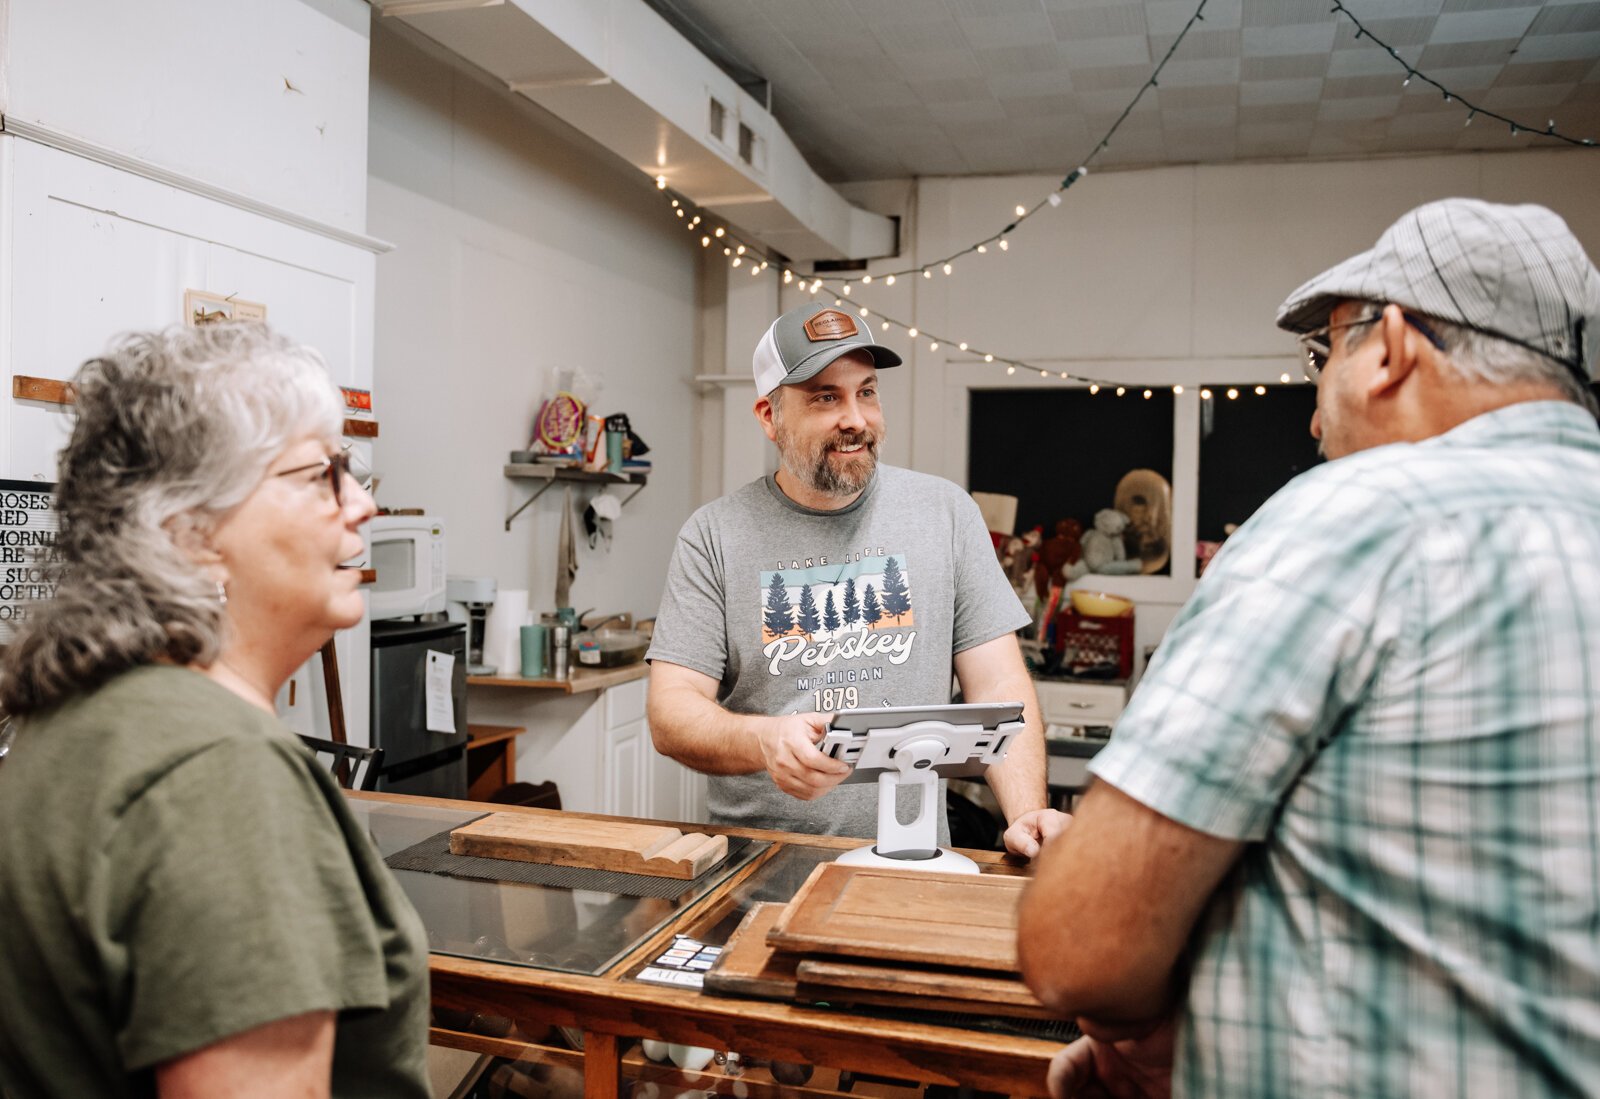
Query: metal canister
x=560 y=651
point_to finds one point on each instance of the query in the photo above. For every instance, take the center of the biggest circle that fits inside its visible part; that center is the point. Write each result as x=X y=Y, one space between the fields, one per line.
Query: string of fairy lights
x=752 y=256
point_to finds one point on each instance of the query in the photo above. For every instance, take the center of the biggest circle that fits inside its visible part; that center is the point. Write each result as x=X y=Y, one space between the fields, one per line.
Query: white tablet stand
x=916 y=753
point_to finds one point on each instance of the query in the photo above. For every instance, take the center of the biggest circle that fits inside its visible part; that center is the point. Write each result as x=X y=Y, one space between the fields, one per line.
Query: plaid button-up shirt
x=1388 y=685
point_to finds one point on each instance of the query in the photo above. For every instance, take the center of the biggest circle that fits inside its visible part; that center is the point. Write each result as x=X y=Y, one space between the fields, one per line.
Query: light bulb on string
x=982 y=249
x=1261 y=391
x=755 y=270
x=847 y=289
x=1121 y=389
x=884 y=326
x=838 y=301
x=1284 y=378
x=1205 y=394
x=1063 y=375
x=661 y=183
x=788 y=277
x=1021 y=210
x=1055 y=198
x=674 y=204
x=1004 y=244
x=1009 y=369
x=862 y=310
x=1044 y=373
x=705 y=242
x=912 y=332
x=680 y=212
x=816 y=284
x=1233 y=394
x=889 y=281
x=1148 y=394
x=726 y=250
x=962 y=345
x=927 y=274
x=719 y=232
x=933 y=345
x=988 y=358
x=1094 y=388
x=1177 y=390
x=948 y=269
x=737 y=261
x=740 y=250
x=866 y=280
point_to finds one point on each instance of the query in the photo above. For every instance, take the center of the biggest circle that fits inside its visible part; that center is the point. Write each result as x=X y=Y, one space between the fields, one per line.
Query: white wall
x=521 y=246
x=1161 y=276
x=265 y=99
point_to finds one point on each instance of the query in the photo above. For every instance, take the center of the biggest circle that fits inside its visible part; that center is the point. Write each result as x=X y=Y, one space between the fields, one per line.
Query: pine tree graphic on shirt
x=896 y=596
x=870 y=611
x=779 y=616
x=830 y=617
x=807 y=620
x=852 y=605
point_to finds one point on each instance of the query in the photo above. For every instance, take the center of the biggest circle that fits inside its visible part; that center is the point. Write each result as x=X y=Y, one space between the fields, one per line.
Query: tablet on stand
x=914 y=746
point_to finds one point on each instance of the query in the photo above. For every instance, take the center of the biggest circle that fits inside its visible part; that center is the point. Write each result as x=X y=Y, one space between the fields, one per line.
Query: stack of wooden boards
x=890 y=938
x=564 y=840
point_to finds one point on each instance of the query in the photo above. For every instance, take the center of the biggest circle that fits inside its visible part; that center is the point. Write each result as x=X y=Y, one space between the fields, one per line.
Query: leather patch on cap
x=830 y=324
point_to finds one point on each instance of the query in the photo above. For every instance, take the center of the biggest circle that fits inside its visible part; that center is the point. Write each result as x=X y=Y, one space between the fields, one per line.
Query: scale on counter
x=914 y=746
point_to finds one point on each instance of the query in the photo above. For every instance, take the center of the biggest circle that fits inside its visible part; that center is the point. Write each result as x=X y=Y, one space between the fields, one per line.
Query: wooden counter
x=582 y=679
x=610 y=1007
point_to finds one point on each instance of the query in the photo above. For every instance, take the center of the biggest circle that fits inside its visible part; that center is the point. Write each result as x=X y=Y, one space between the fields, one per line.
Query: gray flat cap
x=800 y=344
x=1516 y=272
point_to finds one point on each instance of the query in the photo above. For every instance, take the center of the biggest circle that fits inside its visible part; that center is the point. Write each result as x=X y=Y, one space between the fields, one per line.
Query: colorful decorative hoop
x=560 y=422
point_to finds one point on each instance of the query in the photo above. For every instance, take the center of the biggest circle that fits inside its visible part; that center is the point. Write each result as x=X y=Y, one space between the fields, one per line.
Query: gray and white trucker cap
x=1516 y=272
x=800 y=344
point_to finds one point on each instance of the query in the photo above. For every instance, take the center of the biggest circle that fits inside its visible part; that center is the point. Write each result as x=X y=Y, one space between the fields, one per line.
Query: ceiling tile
x=1303 y=115
x=1281 y=12
x=1295 y=38
x=1560 y=47
x=1566 y=20
x=966 y=112
x=920 y=36
x=1008 y=30
x=1169 y=16
x=1040 y=106
x=1473 y=26
x=1100 y=52
x=1349 y=87
x=1198 y=118
x=1360 y=63
x=1184 y=74
x=1215 y=95
x=977 y=9
x=1279 y=91
x=1198 y=45
x=1397 y=32
x=1505 y=99
x=934 y=92
x=1290 y=67
x=1124 y=78
x=1107 y=21
x=1544 y=72
x=1449 y=55
x=1370 y=107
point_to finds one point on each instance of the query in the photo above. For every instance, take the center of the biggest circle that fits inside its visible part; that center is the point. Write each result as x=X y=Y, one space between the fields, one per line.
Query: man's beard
x=813 y=467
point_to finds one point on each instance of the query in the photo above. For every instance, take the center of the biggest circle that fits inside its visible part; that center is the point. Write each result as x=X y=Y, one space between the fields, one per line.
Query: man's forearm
x=703 y=736
x=1018 y=781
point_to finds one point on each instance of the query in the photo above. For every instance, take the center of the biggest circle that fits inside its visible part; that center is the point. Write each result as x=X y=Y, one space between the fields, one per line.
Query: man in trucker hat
x=1351 y=808
x=835 y=583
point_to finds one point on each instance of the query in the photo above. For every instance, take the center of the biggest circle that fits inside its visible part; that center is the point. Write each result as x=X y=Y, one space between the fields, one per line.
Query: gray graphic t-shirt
x=793 y=609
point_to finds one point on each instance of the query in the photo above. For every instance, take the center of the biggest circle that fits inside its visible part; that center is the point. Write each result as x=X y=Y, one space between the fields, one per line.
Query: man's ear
x=764 y=416
x=1400 y=351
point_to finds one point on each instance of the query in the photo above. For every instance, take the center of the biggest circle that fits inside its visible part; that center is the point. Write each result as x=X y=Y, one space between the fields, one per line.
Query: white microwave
x=408 y=556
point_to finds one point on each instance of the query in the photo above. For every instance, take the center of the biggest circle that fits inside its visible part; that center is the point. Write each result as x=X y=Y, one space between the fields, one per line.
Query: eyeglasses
x=1318 y=348
x=335 y=469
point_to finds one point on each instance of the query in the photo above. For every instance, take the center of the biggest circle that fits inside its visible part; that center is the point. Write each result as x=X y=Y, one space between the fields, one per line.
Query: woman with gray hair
x=189 y=907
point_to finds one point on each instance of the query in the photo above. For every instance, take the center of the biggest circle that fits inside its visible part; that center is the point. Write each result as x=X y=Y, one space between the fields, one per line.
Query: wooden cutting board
x=894 y=984
x=632 y=848
x=747 y=966
x=904 y=915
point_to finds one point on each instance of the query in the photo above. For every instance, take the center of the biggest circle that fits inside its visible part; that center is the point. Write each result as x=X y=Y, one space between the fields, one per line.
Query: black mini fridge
x=417 y=760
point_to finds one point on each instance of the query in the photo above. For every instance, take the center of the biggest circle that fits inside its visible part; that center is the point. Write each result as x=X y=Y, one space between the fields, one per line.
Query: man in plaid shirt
x=1345 y=840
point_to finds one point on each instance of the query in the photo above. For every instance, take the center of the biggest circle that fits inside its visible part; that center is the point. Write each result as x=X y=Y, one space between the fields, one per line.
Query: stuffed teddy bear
x=1103 y=550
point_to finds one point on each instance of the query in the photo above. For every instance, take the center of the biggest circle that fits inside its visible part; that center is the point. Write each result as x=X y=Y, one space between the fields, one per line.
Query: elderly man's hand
x=797 y=766
x=1120 y=1062
x=1027 y=835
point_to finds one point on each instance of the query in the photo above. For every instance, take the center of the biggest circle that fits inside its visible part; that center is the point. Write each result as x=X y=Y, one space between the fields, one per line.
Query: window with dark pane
x=1062 y=452
x=1250 y=447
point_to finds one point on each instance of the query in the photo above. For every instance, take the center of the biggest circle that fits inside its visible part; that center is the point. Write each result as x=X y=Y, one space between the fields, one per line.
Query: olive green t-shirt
x=175 y=868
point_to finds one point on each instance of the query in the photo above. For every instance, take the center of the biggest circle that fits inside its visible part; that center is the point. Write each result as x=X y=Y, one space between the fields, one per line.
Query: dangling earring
x=222 y=594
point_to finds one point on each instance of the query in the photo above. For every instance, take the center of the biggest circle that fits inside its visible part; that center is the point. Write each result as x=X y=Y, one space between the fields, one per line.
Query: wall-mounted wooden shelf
x=48 y=390
x=550 y=474
x=361 y=429
x=581 y=681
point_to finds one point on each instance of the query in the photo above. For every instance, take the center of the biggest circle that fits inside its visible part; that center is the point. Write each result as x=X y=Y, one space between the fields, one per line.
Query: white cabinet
x=639 y=781
x=1067 y=707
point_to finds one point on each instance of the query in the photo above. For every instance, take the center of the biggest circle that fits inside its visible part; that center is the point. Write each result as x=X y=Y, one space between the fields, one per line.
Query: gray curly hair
x=174 y=429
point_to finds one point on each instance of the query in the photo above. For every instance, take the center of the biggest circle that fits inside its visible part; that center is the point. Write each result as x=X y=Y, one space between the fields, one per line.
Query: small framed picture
x=203 y=307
